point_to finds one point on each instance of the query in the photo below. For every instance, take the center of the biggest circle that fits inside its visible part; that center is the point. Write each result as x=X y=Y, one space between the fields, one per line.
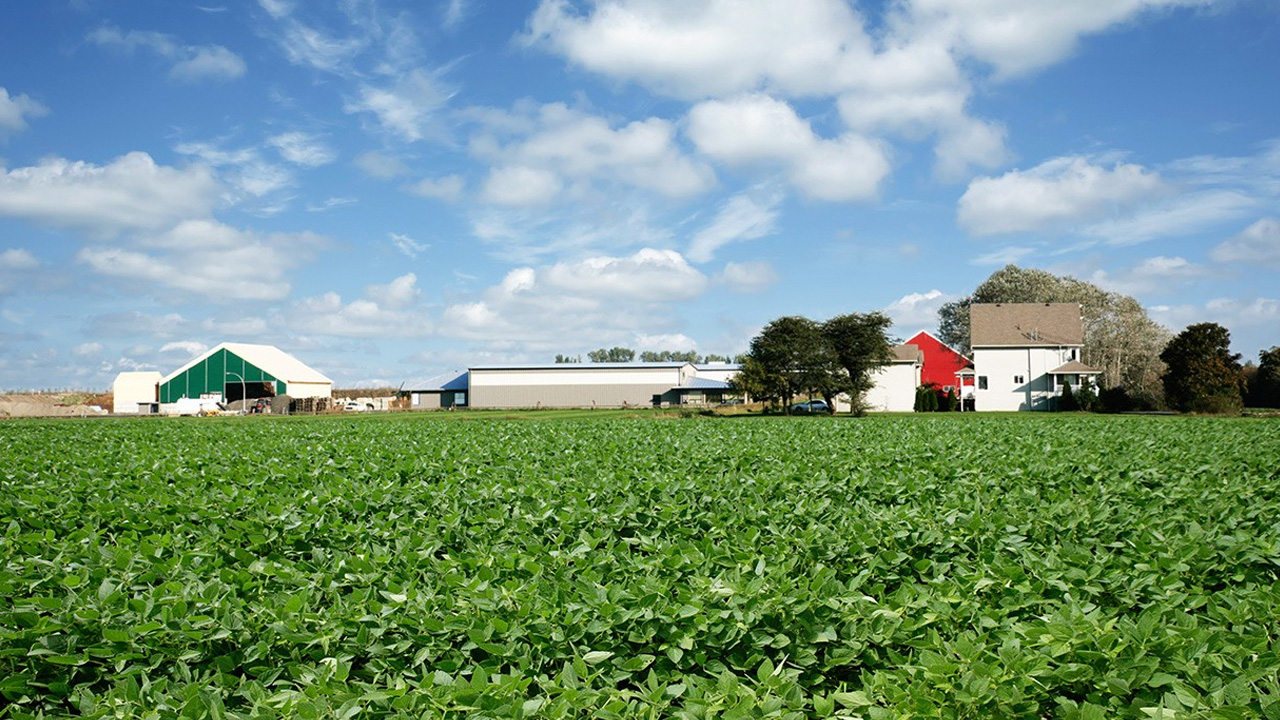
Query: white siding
x=1003 y=366
x=308 y=390
x=131 y=388
x=612 y=376
x=894 y=388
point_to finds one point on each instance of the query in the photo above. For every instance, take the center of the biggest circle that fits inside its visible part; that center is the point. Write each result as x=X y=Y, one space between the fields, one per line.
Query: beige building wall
x=572 y=387
x=308 y=390
x=131 y=388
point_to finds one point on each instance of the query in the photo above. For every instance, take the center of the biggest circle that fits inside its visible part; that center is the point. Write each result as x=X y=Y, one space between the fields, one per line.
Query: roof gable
x=1025 y=325
x=268 y=358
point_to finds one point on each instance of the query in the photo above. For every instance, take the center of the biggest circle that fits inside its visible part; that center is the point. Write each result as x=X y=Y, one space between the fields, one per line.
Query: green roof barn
x=233 y=371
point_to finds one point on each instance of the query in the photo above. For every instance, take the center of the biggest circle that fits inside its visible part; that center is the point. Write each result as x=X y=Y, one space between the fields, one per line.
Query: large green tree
x=1203 y=375
x=791 y=357
x=1264 y=382
x=670 y=356
x=1119 y=338
x=861 y=344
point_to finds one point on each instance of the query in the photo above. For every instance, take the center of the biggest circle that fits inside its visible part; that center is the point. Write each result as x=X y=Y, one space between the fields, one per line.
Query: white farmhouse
x=1023 y=353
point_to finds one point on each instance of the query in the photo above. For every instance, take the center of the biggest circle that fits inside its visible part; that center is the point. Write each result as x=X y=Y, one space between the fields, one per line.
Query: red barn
x=941 y=363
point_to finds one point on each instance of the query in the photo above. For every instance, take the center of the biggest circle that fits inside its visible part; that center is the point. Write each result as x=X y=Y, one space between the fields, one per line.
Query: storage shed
x=134 y=392
x=234 y=371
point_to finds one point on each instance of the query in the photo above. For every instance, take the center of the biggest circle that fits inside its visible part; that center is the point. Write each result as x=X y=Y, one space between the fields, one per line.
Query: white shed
x=131 y=389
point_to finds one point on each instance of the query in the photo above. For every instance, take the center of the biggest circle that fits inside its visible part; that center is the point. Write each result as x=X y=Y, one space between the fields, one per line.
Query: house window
x=1073 y=354
x=1019 y=379
x=982 y=382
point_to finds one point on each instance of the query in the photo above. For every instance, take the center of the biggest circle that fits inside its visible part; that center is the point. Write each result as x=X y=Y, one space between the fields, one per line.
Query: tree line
x=626 y=355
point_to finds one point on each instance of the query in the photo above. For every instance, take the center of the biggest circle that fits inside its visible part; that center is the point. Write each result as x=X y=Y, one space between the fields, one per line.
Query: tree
x=561 y=359
x=791 y=357
x=861 y=345
x=1119 y=338
x=1067 y=400
x=1203 y=375
x=612 y=355
x=1264 y=382
x=670 y=356
x=711 y=358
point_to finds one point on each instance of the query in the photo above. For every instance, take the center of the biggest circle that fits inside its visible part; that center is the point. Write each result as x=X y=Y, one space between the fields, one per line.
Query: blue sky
x=393 y=189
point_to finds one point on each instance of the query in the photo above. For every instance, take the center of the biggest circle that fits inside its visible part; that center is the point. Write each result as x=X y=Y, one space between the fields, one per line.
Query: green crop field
x=886 y=567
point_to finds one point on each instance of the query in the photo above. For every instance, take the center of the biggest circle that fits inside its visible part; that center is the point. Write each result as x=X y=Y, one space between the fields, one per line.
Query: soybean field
x=1076 y=567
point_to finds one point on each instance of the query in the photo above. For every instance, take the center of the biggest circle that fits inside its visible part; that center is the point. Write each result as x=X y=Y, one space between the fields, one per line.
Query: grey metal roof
x=704 y=384
x=1025 y=325
x=454 y=380
x=585 y=366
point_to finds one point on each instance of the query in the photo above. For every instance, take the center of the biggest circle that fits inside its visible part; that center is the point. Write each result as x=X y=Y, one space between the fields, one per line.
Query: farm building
x=442 y=391
x=894 y=385
x=943 y=366
x=134 y=392
x=574 y=385
x=591 y=385
x=233 y=371
x=1024 y=352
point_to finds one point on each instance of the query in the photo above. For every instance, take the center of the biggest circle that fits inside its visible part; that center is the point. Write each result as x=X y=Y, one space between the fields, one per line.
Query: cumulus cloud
x=520 y=185
x=1053 y=195
x=1258 y=244
x=131 y=193
x=600 y=299
x=580 y=148
x=748 y=277
x=386 y=311
x=185 y=348
x=915 y=311
x=18 y=259
x=748 y=216
x=757 y=129
x=244 y=169
x=16 y=110
x=208 y=259
x=190 y=63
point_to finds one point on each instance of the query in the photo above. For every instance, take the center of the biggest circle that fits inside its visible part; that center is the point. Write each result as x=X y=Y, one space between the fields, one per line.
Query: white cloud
x=191 y=63
x=15 y=110
x=185 y=348
x=407 y=246
x=407 y=108
x=757 y=129
x=455 y=11
x=87 y=349
x=18 y=259
x=368 y=317
x=666 y=341
x=130 y=193
x=207 y=259
x=748 y=277
x=397 y=294
x=1059 y=192
x=1258 y=244
x=914 y=311
x=1158 y=275
x=582 y=148
x=748 y=216
x=649 y=275
x=597 y=300
x=1180 y=216
x=245 y=169
x=520 y=185
x=303 y=149
x=448 y=188
x=381 y=166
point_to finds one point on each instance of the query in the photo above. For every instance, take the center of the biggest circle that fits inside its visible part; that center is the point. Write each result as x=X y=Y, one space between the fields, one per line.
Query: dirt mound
x=54 y=405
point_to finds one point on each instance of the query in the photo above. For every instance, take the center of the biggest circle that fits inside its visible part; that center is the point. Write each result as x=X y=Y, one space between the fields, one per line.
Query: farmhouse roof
x=268 y=358
x=1025 y=324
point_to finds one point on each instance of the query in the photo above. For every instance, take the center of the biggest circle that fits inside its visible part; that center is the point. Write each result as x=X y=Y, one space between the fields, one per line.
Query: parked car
x=353 y=406
x=812 y=407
